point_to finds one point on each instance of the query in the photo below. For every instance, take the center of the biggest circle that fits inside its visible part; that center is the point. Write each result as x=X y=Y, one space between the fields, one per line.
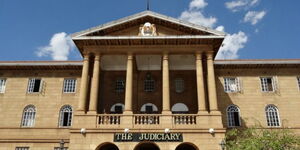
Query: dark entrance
x=108 y=146
x=146 y=146
x=185 y=146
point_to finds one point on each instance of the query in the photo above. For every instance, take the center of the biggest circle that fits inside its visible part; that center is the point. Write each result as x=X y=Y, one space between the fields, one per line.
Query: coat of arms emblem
x=148 y=29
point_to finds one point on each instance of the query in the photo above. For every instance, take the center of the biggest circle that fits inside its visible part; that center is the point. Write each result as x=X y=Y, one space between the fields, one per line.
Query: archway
x=107 y=146
x=186 y=146
x=146 y=146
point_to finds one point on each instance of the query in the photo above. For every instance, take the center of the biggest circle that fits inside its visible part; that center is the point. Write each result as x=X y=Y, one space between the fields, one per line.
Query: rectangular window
x=2 y=85
x=69 y=85
x=298 y=81
x=22 y=148
x=120 y=86
x=58 y=148
x=231 y=85
x=268 y=84
x=34 y=85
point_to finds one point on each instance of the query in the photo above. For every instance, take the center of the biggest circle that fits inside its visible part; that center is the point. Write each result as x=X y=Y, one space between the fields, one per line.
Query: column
x=84 y=83
x=95 y=86
x=212 y=92
x=165 y=85
x=128 y=89
x=200 y=84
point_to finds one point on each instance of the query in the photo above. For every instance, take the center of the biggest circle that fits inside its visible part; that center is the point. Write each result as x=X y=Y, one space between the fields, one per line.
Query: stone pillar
x=129 y=89
x=95 y=86
x=165 y=85
x=211 y=83
x=84 y=83
x=200 y=85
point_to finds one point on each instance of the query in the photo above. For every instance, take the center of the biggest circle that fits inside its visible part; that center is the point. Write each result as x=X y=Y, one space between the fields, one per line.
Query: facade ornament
x=148 y=29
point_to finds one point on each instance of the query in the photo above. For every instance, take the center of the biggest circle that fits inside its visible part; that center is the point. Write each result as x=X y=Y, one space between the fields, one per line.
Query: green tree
x=262 y=139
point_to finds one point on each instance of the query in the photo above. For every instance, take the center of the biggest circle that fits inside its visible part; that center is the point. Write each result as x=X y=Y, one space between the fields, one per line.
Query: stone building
x=146 y=81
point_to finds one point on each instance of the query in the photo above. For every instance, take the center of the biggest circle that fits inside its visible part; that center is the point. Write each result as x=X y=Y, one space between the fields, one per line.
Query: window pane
x=179 y=85
x=272 y=116
x=230 y=85
x=267 y=84
x=120 y=86
x=69 y=85
x=65 y=119
x=28 y=116
x=2 y=85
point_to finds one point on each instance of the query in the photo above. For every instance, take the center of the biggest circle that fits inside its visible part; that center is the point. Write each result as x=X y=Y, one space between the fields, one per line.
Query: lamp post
x=223 y=144
x=61 y=144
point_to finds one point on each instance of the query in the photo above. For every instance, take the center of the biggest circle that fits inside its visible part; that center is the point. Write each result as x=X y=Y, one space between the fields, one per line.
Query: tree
x=262 y=139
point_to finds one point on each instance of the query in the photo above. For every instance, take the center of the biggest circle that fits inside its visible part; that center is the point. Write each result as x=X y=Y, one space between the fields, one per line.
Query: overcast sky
x=256 y=29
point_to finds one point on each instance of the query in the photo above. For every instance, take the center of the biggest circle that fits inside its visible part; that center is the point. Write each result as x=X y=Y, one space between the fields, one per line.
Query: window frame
x=149 y=85
x=118 y=88
x=273 y=83
x=28 y=117
x=182 y=85
x=298 y=82
x=74 y=86
x=29 y=85
x=3 y=82
x=270 y=123
x=231 y=121
x=61 y=116
x=237 y=83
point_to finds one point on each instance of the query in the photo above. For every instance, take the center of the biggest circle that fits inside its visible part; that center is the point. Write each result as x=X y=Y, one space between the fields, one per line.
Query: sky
x=256 y=29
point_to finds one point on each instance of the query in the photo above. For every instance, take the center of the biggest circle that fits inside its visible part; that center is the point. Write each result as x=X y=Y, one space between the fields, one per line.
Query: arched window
x=117 y=108
x=179 y=85
x=149 y=83
x=179 y=108
x=28 y=116
x=149 y=108
x=272 y=115
x=233 y=116
x=65 y=116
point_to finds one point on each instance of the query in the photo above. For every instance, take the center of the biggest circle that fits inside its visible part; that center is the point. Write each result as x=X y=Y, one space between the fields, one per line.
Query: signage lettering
x=156 y=137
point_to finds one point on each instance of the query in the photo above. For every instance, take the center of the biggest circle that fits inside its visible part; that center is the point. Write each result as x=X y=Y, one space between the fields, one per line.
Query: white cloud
x=195 y=14
x=231 y=45
x=237 y=5
x=220 y=28
x=198 y=4
x=254 y=16
x=59 y=47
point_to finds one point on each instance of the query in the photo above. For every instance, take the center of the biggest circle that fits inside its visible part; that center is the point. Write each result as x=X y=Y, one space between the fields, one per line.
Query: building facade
x=146 y=81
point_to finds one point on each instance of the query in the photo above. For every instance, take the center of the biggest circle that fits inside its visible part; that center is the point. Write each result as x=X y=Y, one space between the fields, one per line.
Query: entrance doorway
x=107 y=146
x=146 y=146
x=186 y=146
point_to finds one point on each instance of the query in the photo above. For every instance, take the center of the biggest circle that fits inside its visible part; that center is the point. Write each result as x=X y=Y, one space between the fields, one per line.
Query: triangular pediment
x=132 y=26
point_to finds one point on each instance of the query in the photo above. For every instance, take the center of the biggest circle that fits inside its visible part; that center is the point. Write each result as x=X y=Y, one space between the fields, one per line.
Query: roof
x=54 y=65
x=149 y=14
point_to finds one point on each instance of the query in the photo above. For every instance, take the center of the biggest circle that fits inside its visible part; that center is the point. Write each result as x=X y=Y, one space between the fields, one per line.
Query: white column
x=211 y=83
x=95 y=85
x=165 y=85
x=128 y=89
x=200 y=84
x=84 y=84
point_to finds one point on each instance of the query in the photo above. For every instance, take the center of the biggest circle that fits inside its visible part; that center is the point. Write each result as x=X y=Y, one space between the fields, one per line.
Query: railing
x=146 y=119
x=184 y=119
x=109 y=119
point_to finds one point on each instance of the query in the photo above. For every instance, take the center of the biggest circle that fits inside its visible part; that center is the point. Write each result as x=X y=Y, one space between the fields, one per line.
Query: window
x=179 y=85
x=233 y=116
x=65 y=119
x=149 y=108
x=272 y=116
x=58 y=148
x=28 y=116
x=298 y=81
x=22 y=148
x=268 y=84
x=231 y=85
x=149 y=83
x=120 y=85
x=117 y=108
x=179 y=108
x=2 y=85
x=69 y=85
x=34 y=85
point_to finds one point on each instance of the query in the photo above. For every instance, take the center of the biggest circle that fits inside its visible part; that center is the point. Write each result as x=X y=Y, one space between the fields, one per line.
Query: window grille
x=268 y=84
x=22 y=148
x=58 y=148
x=233 y=116
x=28 y=118
x=231 y=85
x=120 y=86
x=69 y=85
x=2 y=85
x=272 y=116
x=179 y=85
x=149 y=83
x=34 y=85
x=65 y=119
